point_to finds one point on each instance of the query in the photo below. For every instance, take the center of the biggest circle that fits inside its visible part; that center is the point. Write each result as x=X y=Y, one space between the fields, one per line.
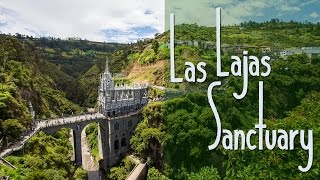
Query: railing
x=129 y=114
x=8 y=163
x=78 y=119
x=57 y=122
x=137 y=171
x=137 y=164
x=69 y=120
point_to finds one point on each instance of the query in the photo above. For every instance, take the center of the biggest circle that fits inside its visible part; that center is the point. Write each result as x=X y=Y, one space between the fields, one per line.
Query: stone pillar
x=77 y=146
x=104 y=147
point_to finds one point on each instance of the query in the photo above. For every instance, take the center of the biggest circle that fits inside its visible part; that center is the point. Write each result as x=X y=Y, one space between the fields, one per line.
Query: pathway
x=139 y=171
x=87 y=160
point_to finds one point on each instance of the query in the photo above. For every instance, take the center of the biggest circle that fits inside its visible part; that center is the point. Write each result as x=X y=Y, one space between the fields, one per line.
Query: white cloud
x=85 y=19
x=286 y=8
x=308 y=2
x=314 y=15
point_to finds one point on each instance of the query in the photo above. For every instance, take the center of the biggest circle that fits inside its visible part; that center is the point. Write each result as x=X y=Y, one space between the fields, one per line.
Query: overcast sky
x=97 y=20
x=128 y=20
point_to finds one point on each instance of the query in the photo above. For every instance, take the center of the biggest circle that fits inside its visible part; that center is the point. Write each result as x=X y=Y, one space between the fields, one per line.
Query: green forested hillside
x=72 y=63
x=268 y=164
x=175 y=140
x=274 y=32
x=75 y=56
x=25 y=78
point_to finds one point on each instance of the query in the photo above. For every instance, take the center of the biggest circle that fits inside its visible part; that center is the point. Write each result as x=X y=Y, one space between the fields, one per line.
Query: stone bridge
x=77 y=124
x=113 y=134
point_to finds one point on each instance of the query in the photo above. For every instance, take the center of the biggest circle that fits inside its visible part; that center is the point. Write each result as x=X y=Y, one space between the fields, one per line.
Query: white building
x=311 y=51
x=290 y=51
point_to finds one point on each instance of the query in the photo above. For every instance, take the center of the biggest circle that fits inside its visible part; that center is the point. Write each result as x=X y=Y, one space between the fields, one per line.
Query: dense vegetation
x=24 y=79
x=75 y=56
x=174 y=138
x=122 y=171
x=149 y=134
x=45 y=157
x=275 y=163
x=92 y=136
x=270 y=33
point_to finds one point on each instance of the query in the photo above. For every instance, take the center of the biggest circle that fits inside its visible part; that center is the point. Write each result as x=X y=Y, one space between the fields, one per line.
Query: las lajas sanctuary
x=118 y=115
x=120 y=103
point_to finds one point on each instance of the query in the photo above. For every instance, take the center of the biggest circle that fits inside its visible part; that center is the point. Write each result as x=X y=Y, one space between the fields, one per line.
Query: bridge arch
x=113 y=133
x=78 y=124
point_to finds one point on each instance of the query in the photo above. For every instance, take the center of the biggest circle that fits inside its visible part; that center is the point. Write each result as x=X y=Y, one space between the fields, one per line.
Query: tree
x=155 y=174
x=121 y=172
x=80 y=174
x=155 y=46
x=149 y=135
x=204 y=174
x=278 y=163
x=12 y=128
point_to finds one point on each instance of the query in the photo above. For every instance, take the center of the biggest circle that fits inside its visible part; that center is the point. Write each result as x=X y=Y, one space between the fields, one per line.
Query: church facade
x=120 y=104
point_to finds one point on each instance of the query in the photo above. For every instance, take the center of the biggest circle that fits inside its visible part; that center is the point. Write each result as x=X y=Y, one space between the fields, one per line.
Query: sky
x=126 y=21
x=233 y=12
x=96 y=20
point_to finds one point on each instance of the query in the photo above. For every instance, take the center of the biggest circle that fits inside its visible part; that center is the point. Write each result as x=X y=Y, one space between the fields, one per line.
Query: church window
x=116 y=144
x=129 y=123
x=116 y=126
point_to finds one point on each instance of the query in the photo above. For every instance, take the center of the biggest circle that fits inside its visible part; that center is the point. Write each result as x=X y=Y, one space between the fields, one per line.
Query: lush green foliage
x=276 y=163
x=281 y=34
x=188 y=126
x=149 y=134
x=45 y=157
x=189 y=131
x=204 y=174
x=121 y=172
x=12 y=128
x=154 y=174
x=75 y=56
x=92 y=135
x=289 y=82
x=147 y=57
x=80 y=174
x=23 y=79
x=155 y=93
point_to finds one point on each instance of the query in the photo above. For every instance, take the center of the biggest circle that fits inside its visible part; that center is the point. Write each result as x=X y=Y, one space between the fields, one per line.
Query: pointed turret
x=106 y=71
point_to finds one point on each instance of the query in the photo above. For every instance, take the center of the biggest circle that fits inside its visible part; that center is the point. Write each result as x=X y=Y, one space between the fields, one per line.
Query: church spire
x=107 y=66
